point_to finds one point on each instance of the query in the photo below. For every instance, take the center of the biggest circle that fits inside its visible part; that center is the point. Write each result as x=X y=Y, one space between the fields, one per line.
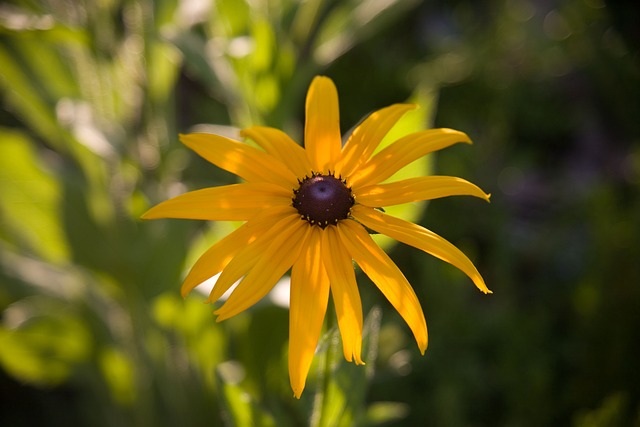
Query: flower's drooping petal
x=344 y=290
x=248 y=256
x=247 y=162
x=276 y=259
x=416 y=189
x=322 y=138
x=419 y=237
x=281 y=146
x=367 y=136
x=387 y=276
x=216 y=258
x=309 y=296
x=236 y=202
x=404 y=151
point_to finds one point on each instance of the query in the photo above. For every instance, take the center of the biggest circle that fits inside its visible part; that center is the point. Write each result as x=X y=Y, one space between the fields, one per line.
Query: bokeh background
x=93 y=331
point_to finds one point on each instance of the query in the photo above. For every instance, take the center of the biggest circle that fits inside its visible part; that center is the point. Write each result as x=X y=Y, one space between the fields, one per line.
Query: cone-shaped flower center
x=323 y=199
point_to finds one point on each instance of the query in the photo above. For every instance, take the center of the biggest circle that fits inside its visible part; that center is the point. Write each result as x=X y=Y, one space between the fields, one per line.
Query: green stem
x=325 y=367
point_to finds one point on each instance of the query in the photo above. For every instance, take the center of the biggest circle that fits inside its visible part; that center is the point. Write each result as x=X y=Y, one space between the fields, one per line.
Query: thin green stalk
x=325 y=368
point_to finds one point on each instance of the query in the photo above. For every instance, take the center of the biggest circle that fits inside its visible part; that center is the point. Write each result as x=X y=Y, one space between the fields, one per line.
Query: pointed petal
x=276 y=259
x=404 y=151
x=247 y=162
x=322 y=139
x=308 y=306
x=416 y=189
x=419 y=237
x=281 y=146
x=344 y=291
x=248 y=256
x=367 y=136
x=225 y=203
x=216 y=258
x=387 y=276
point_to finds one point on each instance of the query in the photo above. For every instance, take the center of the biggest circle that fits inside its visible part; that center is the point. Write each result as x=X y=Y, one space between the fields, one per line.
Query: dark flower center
x=323 y=199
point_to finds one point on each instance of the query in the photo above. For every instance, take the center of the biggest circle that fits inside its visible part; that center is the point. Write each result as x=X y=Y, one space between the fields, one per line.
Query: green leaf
x=43 y=350
x=193 y=322
x=241 y=409
x=30 y=200
x=350 y=22
x=119 y=373
x=380 y=413
x=232 y=18
x=25 y=98
x=162 y=70
x=265 y=42
x=47 y=68
x=191 y=46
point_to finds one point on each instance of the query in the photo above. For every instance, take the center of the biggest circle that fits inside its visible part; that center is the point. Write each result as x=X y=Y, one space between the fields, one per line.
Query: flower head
x=308 y=210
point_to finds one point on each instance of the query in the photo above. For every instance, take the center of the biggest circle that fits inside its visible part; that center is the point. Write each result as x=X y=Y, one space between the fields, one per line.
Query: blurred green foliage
x=93 y=330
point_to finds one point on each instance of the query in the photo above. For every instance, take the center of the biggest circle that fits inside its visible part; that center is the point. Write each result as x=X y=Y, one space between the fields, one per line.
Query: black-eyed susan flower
x=309 y=210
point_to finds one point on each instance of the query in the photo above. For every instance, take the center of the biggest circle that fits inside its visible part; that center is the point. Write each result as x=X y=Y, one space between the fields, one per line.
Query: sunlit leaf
x=30 y=200
x=267 y=93
x=163 y=66
x=231 y=17
x=264 y=46
x=241 y=409
x=380 y=413
x=25 y=99
x=350 y=22
x=118 y=371
x=44 y=350
x=204 y=340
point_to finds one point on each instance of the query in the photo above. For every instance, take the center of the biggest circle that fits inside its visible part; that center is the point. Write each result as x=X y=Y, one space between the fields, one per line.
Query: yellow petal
x=273 y=263
x=322 y=139
x=416 y=189
x=248 y=256
x=247 y=162
x=404 y=151
x=387 y=276
x=419 y=237
x=281 y=146
x=225 y=203
x=344 y=291
x=216 y=258
x=308 y=305
x=367 y=136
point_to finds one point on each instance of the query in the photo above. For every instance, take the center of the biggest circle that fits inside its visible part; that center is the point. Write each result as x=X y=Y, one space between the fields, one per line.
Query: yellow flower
x=308 y=210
